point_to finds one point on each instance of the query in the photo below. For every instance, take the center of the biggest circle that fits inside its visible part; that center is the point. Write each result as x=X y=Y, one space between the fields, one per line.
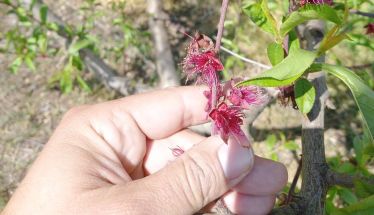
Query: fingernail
x=236 y=159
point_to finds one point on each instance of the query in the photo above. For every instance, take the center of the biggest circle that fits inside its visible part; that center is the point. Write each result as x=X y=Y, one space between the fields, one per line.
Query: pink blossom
x=227 y=120
x=205 y=64
x=246 y=96
x=202 y=60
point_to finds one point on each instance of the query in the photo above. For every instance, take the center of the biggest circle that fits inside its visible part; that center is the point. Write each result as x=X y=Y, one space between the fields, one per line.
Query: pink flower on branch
x=244 y=97
x=226 y=120
x=204 y=64
x=202 y=60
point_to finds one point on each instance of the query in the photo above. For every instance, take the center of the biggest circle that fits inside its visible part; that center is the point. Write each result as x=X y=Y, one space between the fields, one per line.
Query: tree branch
x=345 y=180
x=361 y=13
x=221 y=24
x=247 y=60
x=358 y=67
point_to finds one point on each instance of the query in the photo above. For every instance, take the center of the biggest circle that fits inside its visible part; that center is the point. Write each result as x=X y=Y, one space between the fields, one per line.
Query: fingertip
x=266 y=178
x=236 y=160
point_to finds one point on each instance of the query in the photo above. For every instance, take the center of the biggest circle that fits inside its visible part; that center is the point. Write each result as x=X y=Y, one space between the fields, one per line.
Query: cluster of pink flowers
x=304 y=2
x=225 y=101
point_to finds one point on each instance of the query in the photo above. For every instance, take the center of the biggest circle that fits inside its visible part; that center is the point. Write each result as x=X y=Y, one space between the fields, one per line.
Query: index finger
x=161 y=113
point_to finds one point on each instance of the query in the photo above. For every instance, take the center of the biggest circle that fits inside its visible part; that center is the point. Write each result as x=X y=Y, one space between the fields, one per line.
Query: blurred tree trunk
x=164 y=59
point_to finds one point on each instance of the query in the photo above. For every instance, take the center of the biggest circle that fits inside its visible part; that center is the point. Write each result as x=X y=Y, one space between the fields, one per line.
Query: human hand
x=115 y=158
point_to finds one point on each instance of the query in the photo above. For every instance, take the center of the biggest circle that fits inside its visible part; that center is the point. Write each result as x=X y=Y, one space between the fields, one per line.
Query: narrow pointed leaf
x=43 y=14
x=333 y=41
x=30 y=63
x=80 y=44
x=83 y=84
x=260 y=15
x=309 y=12
x=365 y=206
x=363 y=95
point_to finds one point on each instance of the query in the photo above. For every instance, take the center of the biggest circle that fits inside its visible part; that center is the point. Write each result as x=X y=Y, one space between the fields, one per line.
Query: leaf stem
x=221 y=24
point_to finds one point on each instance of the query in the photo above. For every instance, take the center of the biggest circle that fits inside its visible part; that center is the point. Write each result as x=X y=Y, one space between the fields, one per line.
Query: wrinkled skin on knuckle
x=201 y=178
x=73 y=124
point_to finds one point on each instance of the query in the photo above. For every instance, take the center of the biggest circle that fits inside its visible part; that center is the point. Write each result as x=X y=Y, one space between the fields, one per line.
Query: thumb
x=199 y=176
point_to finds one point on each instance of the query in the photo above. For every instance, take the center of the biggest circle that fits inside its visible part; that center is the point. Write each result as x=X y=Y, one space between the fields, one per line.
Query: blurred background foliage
x=42 y=75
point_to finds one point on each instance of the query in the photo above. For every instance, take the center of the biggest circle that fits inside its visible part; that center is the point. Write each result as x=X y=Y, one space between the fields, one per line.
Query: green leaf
x=83 y=84
x=363 y=207
x=29 y=62
x=22 y=14
x=32 y=4
x=275 y=53
x=54 y=27
x=7 y=2
x=259 y=14
x=80 y=44
x=66 y=79
x=77 y=62
x=369 y=150
x=293 y=41
x=270 y=141
x=346 y=167
x=286 y=72
x=363 y=189
x=305 y=95
x=291 y=145
x=362 y=94
x=332 y=39
x=43 y=44
x=309 y=12
x=331 y=193
x=274 y=156
x=43 y=14
x=15 y=65
x=348 y=196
